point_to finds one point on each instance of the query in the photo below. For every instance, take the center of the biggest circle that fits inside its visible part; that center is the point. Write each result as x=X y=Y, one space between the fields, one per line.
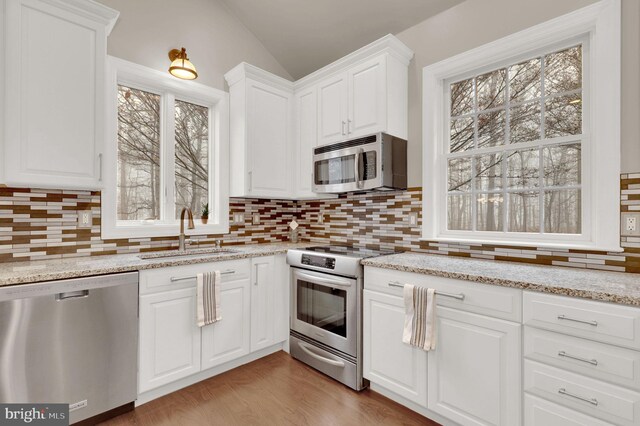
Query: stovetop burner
x=350 y=251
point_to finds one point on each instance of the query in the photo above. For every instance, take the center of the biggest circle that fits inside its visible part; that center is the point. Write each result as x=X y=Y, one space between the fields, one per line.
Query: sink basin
x=185 y=253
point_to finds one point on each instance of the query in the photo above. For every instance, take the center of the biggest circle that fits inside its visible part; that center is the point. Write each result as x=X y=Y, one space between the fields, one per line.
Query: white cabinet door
x=332 y=109
x=388 y=362
x=475 y=369
x=367 y=98
x=263 y=291
x=229 y=338
x=540 y=412
x=281 y=304
x=55 y=94
x=306 y=137
x=269 y=125
x=169 y=338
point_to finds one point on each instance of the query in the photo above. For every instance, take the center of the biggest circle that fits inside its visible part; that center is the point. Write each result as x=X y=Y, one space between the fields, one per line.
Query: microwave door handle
x=319 y=280
x=359 y=180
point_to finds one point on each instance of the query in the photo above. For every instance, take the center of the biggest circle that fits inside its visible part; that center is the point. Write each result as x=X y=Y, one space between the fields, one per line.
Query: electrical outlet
x=238 y=218
x=321 y=217
x=413 y=218
x=85 y=219
x=256 y=219
x=630 y=224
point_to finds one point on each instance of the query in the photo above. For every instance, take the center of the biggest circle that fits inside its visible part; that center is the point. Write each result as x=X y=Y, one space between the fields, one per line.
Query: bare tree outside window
x=191 y=156
x=535 y=188
x=138 y=155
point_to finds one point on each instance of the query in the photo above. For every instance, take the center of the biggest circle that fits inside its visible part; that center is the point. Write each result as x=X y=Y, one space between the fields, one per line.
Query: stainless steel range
x=326 y=310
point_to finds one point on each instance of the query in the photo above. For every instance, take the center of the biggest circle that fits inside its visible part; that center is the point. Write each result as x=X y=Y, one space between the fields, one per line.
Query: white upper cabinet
x=55 y=96
x=261 y=133
x=332 y=109
x=367 y=97
x=363 y=93
x=276 y=122
x=306 y=107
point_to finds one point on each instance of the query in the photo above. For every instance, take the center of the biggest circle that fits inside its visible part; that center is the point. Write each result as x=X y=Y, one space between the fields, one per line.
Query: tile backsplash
x=42 y=224
x=37 y=224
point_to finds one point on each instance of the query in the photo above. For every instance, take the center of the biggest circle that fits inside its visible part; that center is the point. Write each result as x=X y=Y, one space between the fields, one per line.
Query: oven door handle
x=307 y=349
x=320 y=280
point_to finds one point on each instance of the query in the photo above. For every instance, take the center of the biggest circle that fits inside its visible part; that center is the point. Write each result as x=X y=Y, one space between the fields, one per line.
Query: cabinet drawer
x=484 y=299
x=598 y=360
x=163 y=279
x=540 y=412
x=592 y=397
x=604 y=322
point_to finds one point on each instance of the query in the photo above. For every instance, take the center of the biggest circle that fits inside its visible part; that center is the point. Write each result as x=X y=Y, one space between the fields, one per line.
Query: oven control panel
x=319 y=261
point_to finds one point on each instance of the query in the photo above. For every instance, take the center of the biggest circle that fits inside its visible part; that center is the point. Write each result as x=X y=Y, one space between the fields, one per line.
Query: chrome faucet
x=190 y=225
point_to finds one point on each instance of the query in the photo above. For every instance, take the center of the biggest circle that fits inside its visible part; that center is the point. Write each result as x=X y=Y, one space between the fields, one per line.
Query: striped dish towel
x=208 y=298
x=419 y=317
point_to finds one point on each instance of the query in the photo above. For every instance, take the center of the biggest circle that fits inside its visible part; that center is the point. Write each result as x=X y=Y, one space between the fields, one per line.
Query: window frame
x=597 y=28
x=170 y=89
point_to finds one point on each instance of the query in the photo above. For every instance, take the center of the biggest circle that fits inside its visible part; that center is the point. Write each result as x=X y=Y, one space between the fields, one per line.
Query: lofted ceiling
x=305 y=35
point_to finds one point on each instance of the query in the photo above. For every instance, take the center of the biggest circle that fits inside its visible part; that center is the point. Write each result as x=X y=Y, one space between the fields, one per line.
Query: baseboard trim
x=148 y=396
x=411 y=405
x=103 y=417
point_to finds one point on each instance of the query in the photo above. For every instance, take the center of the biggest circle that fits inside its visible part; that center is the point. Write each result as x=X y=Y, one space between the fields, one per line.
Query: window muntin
x=514 y=151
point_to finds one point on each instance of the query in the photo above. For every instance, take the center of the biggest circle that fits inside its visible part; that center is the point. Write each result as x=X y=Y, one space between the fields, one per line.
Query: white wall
x=215 y=39
x=474 y=23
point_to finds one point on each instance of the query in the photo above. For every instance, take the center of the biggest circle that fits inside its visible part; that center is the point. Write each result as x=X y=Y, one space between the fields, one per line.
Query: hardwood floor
x=275 y=390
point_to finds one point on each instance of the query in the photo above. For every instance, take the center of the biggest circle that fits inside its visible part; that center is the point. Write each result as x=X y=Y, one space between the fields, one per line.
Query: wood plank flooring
x=275 y=390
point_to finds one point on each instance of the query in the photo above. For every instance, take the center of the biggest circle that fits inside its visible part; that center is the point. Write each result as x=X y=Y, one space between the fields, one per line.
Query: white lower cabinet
x=474 y=371
x=169 y=338
x=230 y=338
x=540 y=412
x=264 y=286
x=254 y=309
x=572 y=361
x=473 y=376
x=388 y=362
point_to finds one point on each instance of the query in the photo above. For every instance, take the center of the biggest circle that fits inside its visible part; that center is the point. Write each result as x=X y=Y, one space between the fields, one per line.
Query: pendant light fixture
x=181 y=67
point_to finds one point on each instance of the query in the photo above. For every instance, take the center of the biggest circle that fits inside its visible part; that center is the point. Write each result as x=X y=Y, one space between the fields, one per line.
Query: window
x=514 y=147
x=512 y=153
x=168 y=151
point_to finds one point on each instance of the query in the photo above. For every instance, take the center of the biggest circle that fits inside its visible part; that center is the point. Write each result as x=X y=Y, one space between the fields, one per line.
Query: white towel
x=419 y=317
x=208 y=298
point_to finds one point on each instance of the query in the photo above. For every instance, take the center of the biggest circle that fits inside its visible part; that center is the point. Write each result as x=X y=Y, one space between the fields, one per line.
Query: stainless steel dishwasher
x=70 y=341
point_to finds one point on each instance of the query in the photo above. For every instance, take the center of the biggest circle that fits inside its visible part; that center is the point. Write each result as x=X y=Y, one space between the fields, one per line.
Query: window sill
x=525 y=244
x=162 y=230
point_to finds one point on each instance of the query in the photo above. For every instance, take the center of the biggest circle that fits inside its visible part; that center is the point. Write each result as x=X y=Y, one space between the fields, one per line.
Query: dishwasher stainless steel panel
x=70 y=341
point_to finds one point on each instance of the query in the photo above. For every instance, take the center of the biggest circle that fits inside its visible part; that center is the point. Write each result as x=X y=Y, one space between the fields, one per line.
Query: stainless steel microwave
x=377 y=161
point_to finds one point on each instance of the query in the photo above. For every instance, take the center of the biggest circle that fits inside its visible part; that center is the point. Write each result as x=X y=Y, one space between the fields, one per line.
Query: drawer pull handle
x=577 y=358
x=563 y=317
x=459 y=296
x=592 y=401
x=193 y=277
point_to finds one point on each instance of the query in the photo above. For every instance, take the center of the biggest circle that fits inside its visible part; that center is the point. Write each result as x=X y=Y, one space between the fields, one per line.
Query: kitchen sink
x=185 y=253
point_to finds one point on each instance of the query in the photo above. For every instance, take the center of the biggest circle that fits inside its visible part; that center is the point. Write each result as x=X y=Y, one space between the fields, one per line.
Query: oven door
x=349 y=169
x=324 y=308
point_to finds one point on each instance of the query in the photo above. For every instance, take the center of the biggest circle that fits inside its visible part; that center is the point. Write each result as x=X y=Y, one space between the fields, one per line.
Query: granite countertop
x=616 y=287
x=57 y=269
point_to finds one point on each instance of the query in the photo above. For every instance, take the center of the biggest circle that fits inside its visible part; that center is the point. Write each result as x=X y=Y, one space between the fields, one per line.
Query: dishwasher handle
x=72 y=295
